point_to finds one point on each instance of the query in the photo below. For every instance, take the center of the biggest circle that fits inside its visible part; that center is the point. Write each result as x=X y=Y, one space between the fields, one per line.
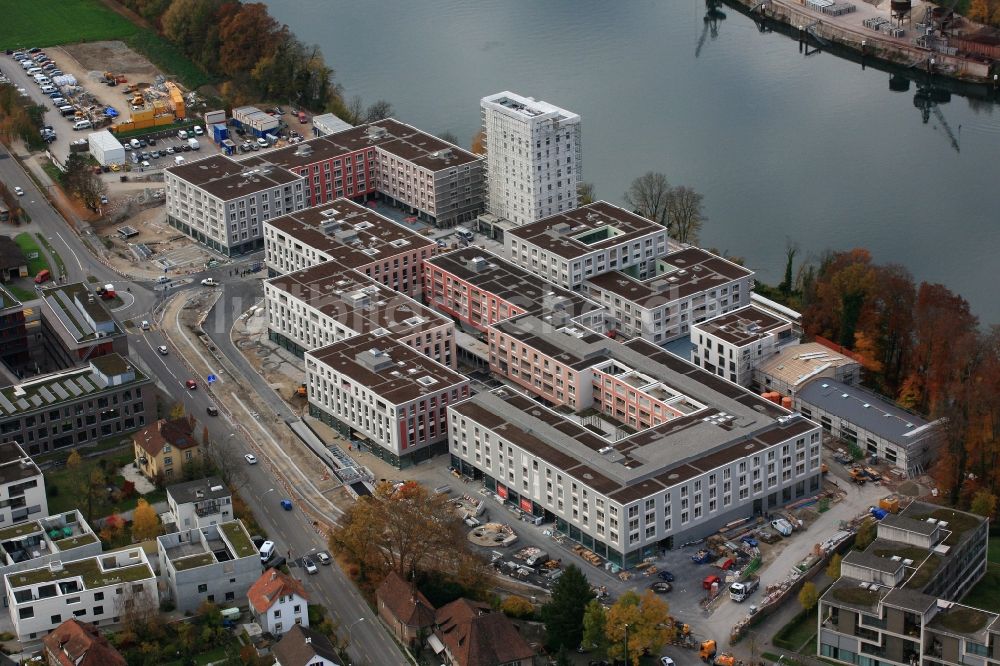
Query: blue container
x=219 y=133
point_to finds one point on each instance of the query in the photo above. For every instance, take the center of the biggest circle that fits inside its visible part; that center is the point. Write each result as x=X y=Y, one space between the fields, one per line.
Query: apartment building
x=76 y=407
x=534 y=157
x=794 y=366
x=734 y=344
x=682 y=288
x=325 y=304
x=437 y=182
x=479 y=289
x=13 y=332
x=214 y=563
x=877 y=426
x=223 y=204
x=387 y=397
x=165 y=448
x=22 y=485
x=353 y=237
x=570 y=247
x=663 y=452
x=94 y=589
x=35 y=543
x=78 y=326
x=897 y=602
x=200 y=503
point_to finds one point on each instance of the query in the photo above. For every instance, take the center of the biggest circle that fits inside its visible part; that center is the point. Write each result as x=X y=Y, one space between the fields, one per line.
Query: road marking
x=125 y=307
x=165 y=366
x=72 y=251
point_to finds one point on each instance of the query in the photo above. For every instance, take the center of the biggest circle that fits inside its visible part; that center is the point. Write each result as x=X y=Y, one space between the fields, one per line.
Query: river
x=785 y=147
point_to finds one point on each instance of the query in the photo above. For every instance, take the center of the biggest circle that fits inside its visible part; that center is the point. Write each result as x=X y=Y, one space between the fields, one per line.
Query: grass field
x=30 y=248
x=49 y=22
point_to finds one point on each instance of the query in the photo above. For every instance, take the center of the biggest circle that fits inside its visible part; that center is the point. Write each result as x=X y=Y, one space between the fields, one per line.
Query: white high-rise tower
x=533 y=157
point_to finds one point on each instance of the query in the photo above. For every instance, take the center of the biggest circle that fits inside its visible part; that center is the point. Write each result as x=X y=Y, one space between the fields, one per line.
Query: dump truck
x=738 y=592
x=707 y=651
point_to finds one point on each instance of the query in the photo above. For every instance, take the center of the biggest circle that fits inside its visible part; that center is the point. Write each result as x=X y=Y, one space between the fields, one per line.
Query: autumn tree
x=885 y=327
x=227 y=459
x=138 y=609
x=584 y=193
x=186 y=23
x=833 y=568
x=843 y=282
x=644 y=618
x=145 y=522
x=808 y=596
x=378 y=110
x=866 y=534
x=563 y=615
x=402 y=529
x=246 y=36
x=649 y=196
x=478 y=145
x=594 y=620
x=81 y=181
x=73 y=462
x=984 y=504
x=517 y=607
x=112 y=529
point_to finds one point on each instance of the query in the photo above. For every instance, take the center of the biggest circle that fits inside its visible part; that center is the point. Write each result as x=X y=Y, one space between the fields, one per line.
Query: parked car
x=262 y=142
x=146 y=164
x=144 y=325
x=135 y=144
x=209 y=282
x=323 y=557
x=667 y=576
x=198 y=131
x=309 y=566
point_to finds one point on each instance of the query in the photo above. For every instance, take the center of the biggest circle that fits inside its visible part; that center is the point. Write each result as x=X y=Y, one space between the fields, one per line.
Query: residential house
x=405 y=609
x=470 y=633
x=22 y=486
x=200 y=502
x=75 y=643
x=301 y=646
x=165 y=448
x=35 y=543
x=13 y=263
x=278 y=602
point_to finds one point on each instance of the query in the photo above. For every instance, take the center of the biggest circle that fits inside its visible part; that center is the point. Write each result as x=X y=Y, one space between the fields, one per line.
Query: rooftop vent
x=216 y=489
x=427 y=380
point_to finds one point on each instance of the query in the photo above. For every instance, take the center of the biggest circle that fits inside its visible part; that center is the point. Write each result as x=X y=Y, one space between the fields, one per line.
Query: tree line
x=254 y=55
x=921 y=345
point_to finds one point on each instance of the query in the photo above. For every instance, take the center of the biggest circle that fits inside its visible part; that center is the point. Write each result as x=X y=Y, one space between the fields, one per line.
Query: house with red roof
x=278 y=602
x=404 y=609
x=75 y=643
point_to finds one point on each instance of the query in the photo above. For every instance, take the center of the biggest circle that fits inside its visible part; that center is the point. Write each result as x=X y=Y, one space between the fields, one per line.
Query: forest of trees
x=919 y=344
x=254 y=56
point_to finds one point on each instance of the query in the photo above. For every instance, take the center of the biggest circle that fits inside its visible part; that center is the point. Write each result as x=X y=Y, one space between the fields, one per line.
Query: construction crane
x=929 y=102
x=712 y=17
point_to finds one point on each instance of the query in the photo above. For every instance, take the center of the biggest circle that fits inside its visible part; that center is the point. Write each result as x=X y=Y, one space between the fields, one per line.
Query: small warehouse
x=105 y=148
x=328 y=123
x=255 y=121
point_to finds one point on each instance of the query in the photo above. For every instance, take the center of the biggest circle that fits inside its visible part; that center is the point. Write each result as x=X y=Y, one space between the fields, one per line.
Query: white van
x=35 y=70
x=182 y=134
x=266 y=551
x=135 y=144
x=464 y=234
x=82 y=125
x=179 y=160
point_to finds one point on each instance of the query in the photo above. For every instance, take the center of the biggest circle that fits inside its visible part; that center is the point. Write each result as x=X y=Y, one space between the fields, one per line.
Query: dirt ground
x=114 y=56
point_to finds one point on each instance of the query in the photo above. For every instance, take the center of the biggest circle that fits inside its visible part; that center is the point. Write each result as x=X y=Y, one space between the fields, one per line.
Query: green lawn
x=167 y=57
x=20 y=293
x=798 y=632
x=70 y=497
x=52 y=253
x=49 y=22
x=30 y=247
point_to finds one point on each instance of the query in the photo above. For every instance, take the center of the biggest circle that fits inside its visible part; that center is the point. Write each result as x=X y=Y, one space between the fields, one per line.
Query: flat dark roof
x=490 y=273
x=395 y=371
x=227 y=179
x=560 y=233
x=399 y=139
x=358 y=302
x=351 y=234
x=15 y=464
x=198 y=490
x=679 y=275
x=744 y=326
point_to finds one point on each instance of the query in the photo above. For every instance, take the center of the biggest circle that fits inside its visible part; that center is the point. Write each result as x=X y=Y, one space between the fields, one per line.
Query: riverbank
x=848 y=31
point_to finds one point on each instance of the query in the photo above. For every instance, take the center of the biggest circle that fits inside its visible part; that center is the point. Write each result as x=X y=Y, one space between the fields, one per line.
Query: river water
x=785 y=147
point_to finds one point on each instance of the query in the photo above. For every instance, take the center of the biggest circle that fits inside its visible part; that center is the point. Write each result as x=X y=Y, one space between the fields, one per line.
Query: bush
x=517 y=607
x=167 y=606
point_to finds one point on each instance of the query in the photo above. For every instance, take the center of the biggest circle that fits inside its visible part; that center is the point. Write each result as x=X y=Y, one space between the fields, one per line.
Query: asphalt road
x=370 y=643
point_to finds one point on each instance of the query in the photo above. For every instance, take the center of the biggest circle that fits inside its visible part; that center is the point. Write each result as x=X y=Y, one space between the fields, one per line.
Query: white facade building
x=278 y=602
x=223 y=204
x=569 y=247
x=22 y=486
x=384 y=395
x=95 y=589
x=533 y=157
x=734 y=344
x=200 y=503
x=685 y=287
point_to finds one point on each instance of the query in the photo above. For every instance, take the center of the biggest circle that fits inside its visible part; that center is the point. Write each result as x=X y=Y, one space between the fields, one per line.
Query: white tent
x=105 y=148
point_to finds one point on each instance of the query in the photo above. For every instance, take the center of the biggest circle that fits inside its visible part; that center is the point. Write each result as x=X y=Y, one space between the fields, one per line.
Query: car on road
x=191 y=384
x=667 y=576
x=323 y=557
x=162 y=349
x=250 y=458
x=309 y=566
x=144 y=325
x=212 y=410
x=18 y=191
x=266 y=550
x=286 y=504
x=209 y=282
x=666 y=661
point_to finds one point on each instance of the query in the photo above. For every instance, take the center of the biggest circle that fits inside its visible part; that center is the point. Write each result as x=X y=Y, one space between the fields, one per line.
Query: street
x=370 y=643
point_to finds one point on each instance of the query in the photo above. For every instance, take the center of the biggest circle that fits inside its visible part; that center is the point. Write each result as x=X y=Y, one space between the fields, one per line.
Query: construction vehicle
x=707 y=651
x=724 y=659
x=858 y=476
x=138 y=100
x=738 y=592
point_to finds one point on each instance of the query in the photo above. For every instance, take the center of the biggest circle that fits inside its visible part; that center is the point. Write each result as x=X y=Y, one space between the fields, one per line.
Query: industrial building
x=656 y=452
x=569 y=247
x=324 y=304
x=534 y=157
x=352 y=236
x=384 y=396
x=876 y=426
x=734 y=344
x=897 y=602
x=223 y=204
x=794 y=366
x=105 y=148
x=682 y=288
x=76 y=407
